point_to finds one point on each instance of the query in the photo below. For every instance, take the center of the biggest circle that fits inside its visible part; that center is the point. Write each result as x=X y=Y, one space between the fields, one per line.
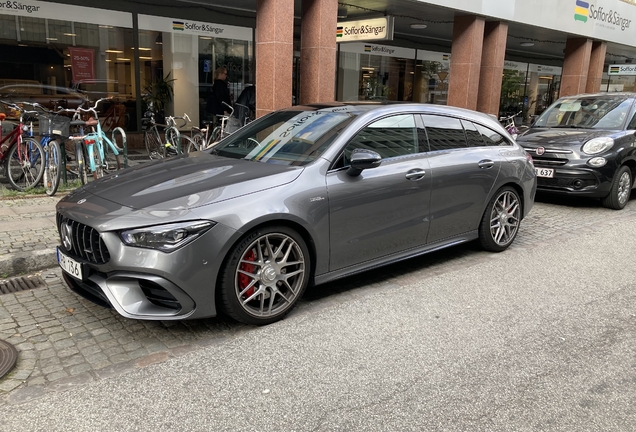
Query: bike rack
x=124 y=144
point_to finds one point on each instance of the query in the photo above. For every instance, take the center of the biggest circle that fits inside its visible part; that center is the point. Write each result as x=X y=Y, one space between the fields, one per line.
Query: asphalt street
x=540 y=337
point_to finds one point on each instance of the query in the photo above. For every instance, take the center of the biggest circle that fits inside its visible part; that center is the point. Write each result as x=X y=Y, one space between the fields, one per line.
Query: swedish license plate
x=69 y=265
x=544 y=172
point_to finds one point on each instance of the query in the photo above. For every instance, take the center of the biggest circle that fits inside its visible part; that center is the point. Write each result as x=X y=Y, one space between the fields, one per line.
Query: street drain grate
x=8 y=357
x=20 y=284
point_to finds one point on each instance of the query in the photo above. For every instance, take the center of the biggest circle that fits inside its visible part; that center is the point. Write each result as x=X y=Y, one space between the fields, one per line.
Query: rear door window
x=444 y=133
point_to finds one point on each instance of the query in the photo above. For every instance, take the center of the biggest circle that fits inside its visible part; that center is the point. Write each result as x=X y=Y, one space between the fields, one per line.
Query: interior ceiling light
x=527 y=44
x=418 y=26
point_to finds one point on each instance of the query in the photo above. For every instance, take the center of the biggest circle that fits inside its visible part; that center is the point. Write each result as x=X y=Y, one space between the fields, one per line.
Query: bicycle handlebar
x=510 y=117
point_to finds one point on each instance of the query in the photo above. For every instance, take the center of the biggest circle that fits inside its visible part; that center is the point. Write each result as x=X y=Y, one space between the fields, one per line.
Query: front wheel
x=81 y=163
x=24 y=164
x=153 y=144
x=500 y=222
x=265 y=275
x=621 y=189
x=53 y=167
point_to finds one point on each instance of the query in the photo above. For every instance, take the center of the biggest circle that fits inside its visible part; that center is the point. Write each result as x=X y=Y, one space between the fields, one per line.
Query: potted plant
x=159 y=93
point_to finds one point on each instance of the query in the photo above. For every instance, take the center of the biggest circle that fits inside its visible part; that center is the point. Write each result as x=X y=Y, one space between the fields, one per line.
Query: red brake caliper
x=244 y=280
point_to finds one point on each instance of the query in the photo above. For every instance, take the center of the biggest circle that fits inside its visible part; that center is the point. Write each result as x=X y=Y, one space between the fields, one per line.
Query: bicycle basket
x=54 y=125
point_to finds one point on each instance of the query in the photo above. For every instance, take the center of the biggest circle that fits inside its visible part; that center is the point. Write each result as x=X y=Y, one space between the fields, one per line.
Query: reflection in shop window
x=38 y=58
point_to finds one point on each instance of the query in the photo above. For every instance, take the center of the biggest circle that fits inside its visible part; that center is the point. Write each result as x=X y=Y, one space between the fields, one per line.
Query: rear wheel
x=621 y=189
x=53 y=168
x=265 y=275
x=153 y=144
x=197 y=142
x=500 y=222
x=24 y=164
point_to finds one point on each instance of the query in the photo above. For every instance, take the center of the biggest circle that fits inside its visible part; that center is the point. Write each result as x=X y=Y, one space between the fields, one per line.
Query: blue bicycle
x=54 y=129
x=102 y=154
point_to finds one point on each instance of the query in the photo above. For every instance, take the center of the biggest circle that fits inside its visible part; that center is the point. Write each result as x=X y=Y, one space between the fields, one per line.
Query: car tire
x=500 y=222
x=258 y=290
x=621 y=189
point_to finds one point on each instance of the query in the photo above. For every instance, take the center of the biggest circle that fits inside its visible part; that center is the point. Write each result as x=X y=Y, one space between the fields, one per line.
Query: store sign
x=82 y=63
x=623 y=69
x=368 y=29
x=545 y=70
x=196 y=28
x=511 y=65
x=380 y=50
x=57 y=11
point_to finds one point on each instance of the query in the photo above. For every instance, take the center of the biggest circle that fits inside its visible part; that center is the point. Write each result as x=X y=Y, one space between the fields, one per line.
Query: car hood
x=558 y=137
x=189 y=181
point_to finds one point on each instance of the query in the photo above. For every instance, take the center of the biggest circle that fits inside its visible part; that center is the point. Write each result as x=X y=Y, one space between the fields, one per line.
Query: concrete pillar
x=492 y=65
x=274 y=55
x=318 y=51
x=595 y=71
x=463 y=84
x=575 y=66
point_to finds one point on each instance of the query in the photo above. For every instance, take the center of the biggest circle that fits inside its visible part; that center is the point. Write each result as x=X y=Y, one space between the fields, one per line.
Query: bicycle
x=509 y=124
x=20 y=153
x=175 y=141
x=101 y=158
x=203 y=138
x=53 y=130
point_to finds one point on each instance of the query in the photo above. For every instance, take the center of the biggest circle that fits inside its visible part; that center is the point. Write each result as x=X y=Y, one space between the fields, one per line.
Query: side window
x=444 y=133
x=491 y=138
x=473 y=137
x=389 y=137
x=632 y=122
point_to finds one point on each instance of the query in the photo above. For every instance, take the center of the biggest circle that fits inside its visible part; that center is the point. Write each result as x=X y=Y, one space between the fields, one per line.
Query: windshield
x=286 y=137
x=589 y=112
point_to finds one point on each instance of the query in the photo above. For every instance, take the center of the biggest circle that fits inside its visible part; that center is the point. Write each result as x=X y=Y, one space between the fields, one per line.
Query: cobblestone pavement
x=64 y=340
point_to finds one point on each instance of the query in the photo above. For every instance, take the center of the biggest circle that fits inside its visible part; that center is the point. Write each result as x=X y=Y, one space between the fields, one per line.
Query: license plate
x=69 y=265
x=544 y=172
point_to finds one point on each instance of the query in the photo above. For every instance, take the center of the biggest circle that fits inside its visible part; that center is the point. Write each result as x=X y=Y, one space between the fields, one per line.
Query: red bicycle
x=21 y=154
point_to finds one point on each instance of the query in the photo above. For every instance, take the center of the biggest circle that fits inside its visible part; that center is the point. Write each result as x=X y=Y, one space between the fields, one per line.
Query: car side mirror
x=362 y=159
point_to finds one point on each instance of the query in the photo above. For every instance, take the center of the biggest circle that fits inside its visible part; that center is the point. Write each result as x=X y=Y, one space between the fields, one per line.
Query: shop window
x=68 y=63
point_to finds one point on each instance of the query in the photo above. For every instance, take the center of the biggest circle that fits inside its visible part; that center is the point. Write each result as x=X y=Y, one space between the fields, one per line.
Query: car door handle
x=415 y=174
x=486 y=164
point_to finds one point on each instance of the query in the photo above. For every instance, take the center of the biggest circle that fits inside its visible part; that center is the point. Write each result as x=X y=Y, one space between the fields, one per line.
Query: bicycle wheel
x=215 y=135
x=153 y=144
x=199 y=143
x=53 y=167
x=81 y=162
x=24 y=165
x=188 y=145
x=172 y=140
x=99 y=163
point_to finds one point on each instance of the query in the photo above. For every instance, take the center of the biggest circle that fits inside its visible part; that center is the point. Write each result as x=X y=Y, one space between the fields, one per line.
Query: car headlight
x=597 y=162
x=597 y=145
x=165 y=238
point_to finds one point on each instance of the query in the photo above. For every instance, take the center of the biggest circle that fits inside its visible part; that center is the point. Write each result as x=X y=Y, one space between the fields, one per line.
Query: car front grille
x=85 y=242
x=548 y=162
x=564 y=182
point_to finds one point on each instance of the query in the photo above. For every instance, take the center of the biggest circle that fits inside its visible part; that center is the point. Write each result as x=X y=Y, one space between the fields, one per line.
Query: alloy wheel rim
x=504 y=218
x=270 y=275
x=623 y=188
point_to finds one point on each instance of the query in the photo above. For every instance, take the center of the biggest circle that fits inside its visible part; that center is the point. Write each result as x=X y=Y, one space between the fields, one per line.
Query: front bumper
x=573 y=176
x=147 y=284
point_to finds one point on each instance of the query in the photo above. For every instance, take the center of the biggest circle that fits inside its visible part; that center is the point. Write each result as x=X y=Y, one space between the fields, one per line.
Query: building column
x=595 y=71
x=492 y=65
x=575 y=66
x=274 y=55
x=318 y=51
x=463 y=84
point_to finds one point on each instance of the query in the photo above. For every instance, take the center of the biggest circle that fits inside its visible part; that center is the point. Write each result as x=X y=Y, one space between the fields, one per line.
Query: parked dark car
x=303 y=195
x=48 y=96
x=584 y=145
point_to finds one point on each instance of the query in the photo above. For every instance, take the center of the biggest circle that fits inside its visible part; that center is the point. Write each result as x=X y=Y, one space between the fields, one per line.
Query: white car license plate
x=544 y=172
x=69 y=265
